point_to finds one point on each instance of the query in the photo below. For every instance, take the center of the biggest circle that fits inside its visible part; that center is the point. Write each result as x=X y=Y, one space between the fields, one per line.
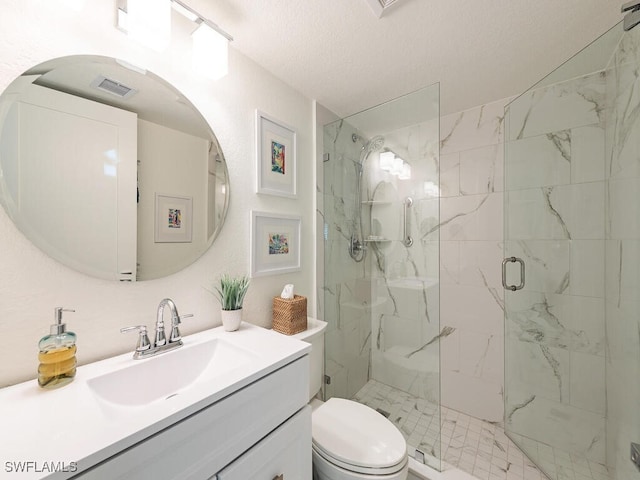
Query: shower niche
x=383 y=214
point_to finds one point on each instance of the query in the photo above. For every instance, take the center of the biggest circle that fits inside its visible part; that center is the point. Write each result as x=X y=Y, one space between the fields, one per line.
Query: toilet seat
x=357 y=438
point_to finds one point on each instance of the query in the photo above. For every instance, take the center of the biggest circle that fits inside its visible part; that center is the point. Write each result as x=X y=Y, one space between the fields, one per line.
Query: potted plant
x=231 y=295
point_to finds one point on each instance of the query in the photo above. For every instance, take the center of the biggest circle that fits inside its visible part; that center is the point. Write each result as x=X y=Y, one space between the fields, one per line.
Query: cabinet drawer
x=285 y=454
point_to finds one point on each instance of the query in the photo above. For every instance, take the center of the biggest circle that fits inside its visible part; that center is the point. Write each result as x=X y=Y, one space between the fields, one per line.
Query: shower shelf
x=376 y=240
x=376 y=202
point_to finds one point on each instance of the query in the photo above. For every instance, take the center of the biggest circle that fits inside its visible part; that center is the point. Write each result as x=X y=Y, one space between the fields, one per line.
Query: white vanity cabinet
x=285 y=454
x=224 y=406
x=258 y=432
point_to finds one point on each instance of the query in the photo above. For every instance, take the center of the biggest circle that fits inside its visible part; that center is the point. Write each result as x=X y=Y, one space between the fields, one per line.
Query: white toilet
x=350 y=441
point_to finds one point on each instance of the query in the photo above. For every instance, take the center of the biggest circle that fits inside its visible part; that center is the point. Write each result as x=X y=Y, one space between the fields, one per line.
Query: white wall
x=170 y=163
x=32 y=284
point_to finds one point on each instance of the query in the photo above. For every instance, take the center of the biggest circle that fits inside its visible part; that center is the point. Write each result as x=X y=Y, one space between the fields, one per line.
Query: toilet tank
x=314 y=334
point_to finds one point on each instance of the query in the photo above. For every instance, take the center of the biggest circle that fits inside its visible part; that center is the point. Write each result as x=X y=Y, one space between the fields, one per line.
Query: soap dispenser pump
x=57 y=354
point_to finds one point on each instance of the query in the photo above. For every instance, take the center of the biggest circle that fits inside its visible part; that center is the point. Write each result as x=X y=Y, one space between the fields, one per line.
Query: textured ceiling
x=339 y=53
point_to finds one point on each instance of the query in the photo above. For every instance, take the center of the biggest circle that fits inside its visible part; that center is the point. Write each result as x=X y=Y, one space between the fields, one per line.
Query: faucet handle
x=177 y=320
x=143 y=338
x=175 y=331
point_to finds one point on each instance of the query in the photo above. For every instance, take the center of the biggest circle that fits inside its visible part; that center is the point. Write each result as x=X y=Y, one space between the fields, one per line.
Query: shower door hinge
x=635 y=454
x=632 y=18
x=325 y=157
x=327 y=380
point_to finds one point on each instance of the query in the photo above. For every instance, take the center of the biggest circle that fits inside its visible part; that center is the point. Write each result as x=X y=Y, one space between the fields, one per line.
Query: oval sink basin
x=166 y=375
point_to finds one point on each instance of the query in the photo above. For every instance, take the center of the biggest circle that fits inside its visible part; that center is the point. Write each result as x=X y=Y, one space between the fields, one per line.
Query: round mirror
x=109 y=169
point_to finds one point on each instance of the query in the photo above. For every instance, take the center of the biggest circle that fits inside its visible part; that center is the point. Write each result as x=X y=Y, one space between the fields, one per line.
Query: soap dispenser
x=57 y=354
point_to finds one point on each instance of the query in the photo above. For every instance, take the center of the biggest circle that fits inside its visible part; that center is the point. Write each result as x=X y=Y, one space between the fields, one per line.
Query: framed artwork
x=276 y=157
x=275 y=243
x=174 y=219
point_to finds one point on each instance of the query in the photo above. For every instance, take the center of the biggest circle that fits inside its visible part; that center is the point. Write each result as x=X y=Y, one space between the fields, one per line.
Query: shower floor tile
x=470 y=444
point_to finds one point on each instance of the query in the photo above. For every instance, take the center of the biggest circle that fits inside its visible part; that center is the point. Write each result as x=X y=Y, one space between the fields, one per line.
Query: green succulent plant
x=232 y=291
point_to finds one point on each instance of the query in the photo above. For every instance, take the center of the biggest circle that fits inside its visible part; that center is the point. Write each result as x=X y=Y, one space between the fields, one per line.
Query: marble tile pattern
x=383 y=312
x=475 y=446
x=471 y=252
x=566 y=162
x=555 y=221
x=347 y=306
x=622 y=263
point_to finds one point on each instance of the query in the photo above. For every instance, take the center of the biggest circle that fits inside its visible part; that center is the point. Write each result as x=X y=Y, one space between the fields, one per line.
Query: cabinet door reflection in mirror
x=109 y=169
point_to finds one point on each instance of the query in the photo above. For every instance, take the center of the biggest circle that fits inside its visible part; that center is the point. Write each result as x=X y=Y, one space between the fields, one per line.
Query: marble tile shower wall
x=623 y=255
x=555 y=329
x=405 y=350
x=556 y=322
x=472 y=303
x=383 y=311
x=347 y=305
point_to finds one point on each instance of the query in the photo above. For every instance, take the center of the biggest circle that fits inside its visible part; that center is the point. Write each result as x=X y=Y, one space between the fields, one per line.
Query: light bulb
x=210 y=52
x=386 y=161
x=149 y=22
x=406 y=172
x=397 y=166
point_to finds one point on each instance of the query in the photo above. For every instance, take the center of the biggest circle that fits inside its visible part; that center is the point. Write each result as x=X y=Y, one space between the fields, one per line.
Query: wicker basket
x=290 y=316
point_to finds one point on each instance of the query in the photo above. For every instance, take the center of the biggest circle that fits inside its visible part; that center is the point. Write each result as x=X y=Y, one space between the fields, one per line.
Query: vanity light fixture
x=210 y=53
x=149 y=21
x=390 y=162
x=405 y=174
x=397 y=166
x=431 y=189
x=185 y=11
x=386 y=161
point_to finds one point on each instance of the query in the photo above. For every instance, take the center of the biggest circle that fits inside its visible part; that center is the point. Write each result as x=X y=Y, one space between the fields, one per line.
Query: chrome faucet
x=144 y=348
x=161 y=339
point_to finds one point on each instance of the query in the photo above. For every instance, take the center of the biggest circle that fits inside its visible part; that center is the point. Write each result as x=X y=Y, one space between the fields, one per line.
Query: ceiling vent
x=113 y=87
x=379 y=7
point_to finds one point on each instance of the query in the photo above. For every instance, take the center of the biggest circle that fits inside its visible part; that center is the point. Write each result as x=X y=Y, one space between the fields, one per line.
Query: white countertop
x=72 y=424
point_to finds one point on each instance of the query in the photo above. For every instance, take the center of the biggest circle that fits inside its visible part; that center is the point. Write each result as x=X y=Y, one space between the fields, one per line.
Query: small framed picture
x=174 y=219
x=276 y=157
x=275 y=243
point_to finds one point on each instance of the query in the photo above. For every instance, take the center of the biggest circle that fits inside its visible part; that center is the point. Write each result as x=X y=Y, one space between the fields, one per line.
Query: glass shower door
x=572 y=190
x=381 y=268
x=622 y=263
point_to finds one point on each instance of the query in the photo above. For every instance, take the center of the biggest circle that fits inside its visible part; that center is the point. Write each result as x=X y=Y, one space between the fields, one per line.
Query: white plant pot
x=231 y=319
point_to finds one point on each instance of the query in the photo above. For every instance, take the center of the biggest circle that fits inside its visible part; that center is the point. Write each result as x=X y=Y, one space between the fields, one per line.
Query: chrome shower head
x=374 y=144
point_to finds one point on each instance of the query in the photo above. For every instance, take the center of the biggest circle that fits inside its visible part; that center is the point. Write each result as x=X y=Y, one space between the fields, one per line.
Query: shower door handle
x=513 y=288
x=406 y=238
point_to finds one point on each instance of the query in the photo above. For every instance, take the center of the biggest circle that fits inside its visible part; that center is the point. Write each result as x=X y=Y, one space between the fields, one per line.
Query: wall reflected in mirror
x=87 y=145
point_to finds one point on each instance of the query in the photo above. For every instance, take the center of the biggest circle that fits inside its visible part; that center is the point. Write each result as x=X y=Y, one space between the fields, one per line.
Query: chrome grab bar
x=406 y=238
x=513 y=288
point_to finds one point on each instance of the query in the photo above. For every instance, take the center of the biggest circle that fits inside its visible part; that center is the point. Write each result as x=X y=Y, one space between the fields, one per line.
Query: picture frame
x=276 y=157
x=173 y=219
x=275 y=243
